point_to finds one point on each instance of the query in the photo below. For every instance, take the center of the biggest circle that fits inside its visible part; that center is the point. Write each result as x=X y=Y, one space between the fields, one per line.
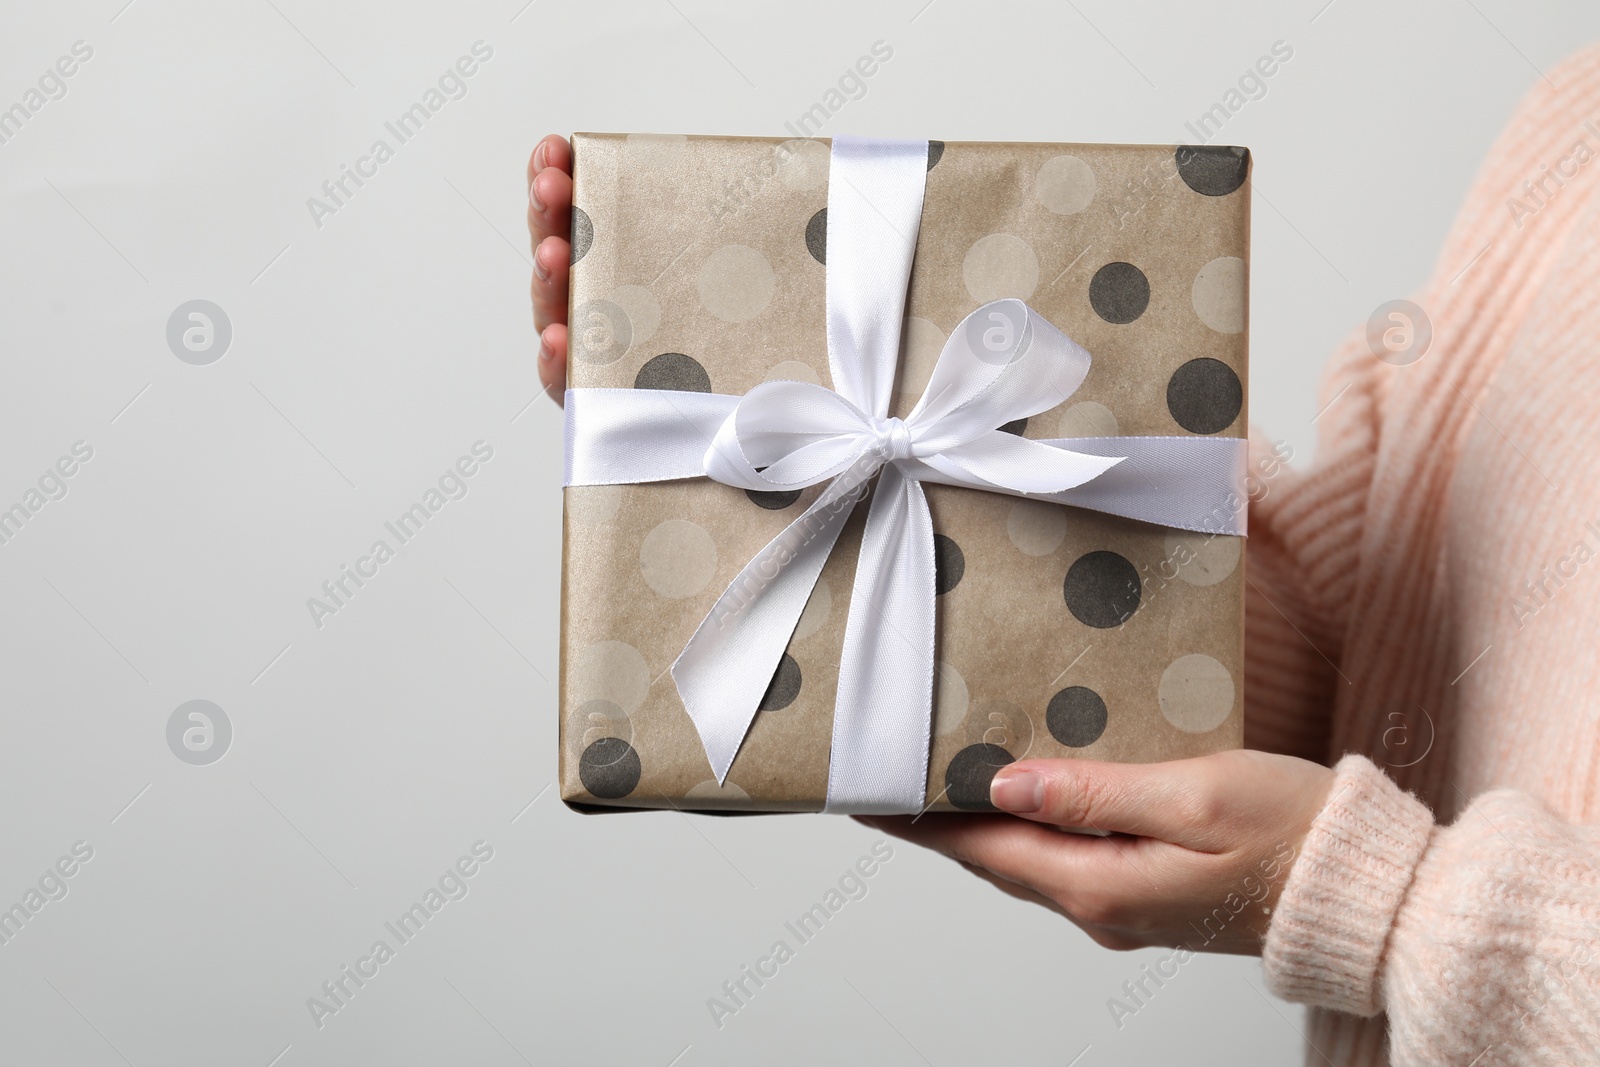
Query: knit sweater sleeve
x=1299 y=562
x=1301 y=559
x=1477 y=938
x=1308 y=523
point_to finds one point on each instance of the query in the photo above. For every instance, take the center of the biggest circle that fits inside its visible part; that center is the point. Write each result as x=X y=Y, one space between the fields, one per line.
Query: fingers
x=1177 y=802
x=549 y=226
x=1012 y=889
x=1102 y=936
x=1107 y=886
x=550 y=205
x=553 y=361
x=550 y=274
x=551 y=151
x=1022 y=852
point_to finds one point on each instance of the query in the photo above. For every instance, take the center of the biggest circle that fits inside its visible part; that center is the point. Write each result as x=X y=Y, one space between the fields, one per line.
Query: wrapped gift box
x=698 y=264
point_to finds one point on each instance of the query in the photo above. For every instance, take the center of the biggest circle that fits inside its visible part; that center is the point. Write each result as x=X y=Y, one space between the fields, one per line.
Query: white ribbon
x=1003 y=362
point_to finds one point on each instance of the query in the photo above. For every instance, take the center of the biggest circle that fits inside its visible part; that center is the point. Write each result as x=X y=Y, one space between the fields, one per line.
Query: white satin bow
x=788 y=434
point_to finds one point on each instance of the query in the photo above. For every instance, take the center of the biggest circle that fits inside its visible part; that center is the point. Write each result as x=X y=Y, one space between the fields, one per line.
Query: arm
x=1477 y=938
x=1299 y=557
x=1303 y=555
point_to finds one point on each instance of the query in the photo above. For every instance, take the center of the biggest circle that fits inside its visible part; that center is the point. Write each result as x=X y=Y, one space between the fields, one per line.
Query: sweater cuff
x=1326 y=941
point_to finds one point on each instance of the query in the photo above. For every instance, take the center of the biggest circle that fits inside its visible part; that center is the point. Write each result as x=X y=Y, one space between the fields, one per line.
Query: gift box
x=700 y=266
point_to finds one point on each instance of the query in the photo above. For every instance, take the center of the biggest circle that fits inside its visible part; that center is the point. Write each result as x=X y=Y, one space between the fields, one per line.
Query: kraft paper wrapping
x=698 y=264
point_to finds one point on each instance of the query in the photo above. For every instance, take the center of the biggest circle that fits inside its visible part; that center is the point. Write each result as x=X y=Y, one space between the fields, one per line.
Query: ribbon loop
x=787 y=435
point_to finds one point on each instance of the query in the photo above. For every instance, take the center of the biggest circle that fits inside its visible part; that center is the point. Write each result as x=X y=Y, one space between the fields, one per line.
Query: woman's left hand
x=1197 y=852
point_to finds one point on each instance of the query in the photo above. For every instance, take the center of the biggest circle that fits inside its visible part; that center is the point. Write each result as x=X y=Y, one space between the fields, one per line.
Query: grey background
x=369 y=353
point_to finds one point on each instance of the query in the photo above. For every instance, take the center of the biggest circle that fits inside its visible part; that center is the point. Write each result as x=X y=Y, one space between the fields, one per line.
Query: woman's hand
x=1197 y=852
x=549 y=228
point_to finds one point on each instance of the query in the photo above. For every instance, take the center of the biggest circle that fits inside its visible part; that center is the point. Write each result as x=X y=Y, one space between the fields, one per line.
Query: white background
x=372 y=351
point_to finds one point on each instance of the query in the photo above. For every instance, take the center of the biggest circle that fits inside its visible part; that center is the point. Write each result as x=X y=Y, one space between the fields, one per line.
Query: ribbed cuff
x=1326 y=941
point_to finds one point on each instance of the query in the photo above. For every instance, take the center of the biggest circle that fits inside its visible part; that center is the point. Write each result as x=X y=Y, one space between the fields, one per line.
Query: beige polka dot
x=817 y=608
x=710 y=790
x=1087 y=419
x=593 y=505
x=1036 y=527
x=949 y=700
x=596 y=719
x=602 y=711
x=920 y=344
x=1218 y=294
x=610 y=671
x=1196 y=693
x=1064 y=184
x=792 y=370
x=1004 y=723
x=678 y=558
x=736 y=283
x=644 y=314
x=802 y=163
x=656 y=149
x=1000 y=265
x=1201 y=559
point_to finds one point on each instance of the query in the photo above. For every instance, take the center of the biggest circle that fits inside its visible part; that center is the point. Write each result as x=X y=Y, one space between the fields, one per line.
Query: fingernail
x=539 y=269
x=545 y=355
x=533 y=195
x=538 y=157
x=1021 y=792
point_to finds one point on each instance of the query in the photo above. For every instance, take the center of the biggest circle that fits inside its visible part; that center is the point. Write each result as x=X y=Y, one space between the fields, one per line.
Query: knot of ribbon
x=893 y=440
x=1003 y=362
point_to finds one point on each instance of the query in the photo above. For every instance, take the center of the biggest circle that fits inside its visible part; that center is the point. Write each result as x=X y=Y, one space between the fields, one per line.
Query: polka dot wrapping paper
x=698 y=264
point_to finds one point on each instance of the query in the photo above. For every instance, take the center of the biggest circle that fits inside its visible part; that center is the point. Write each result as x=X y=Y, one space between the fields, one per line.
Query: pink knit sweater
x=1425 y=599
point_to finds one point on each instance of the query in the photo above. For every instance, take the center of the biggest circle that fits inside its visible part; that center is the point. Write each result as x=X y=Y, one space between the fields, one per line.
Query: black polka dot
x=673 y=370
x=1102 y=590
x=817 y=236
x=1016 y=426
x=966 y=780
x=935 y=152
x=785 y=685
x=1215 y=170
x=1076 y=716
x=773 y=499
x=1204 y=395
x=949 y=564
x=609 y=768
x=1119 y=292
x=582 y=233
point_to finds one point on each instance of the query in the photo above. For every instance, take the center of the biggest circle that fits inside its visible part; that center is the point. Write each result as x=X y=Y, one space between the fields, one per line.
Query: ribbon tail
x=883 y=718
x=724 y=670
x=1015 y=464
x=1188 y=483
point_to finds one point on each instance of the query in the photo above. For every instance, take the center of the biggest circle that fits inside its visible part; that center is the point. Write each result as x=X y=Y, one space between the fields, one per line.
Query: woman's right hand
x=549 y=229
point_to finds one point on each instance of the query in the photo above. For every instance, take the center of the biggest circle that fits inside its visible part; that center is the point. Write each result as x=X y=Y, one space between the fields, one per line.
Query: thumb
x=1166 y=801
